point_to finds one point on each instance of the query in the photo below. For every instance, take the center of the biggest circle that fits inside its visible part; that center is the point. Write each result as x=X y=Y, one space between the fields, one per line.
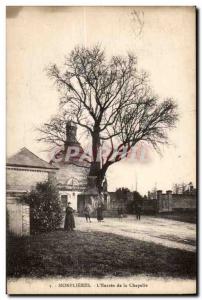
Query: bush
x=45 y=207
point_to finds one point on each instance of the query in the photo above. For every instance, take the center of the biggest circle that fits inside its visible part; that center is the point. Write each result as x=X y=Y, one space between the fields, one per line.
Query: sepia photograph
x=101 y=187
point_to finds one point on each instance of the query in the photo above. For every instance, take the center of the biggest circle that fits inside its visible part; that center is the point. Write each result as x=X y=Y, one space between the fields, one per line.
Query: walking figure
x=138 y=211
x=87 y=211
x=69 y=218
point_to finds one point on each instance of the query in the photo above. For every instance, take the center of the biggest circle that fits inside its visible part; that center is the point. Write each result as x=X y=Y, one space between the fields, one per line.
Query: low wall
x=149 y=206
x=185 y=202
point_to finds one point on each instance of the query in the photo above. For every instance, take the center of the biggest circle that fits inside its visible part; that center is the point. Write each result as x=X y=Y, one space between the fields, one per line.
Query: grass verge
x=94 y=254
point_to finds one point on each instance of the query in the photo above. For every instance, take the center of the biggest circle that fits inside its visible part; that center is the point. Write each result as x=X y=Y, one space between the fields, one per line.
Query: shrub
x=45 y=207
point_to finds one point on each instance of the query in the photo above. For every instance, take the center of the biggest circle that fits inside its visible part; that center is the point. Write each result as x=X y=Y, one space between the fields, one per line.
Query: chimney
x=71 y=130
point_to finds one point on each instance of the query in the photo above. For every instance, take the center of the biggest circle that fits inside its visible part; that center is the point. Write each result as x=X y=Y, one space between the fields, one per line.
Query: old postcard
x=101 y=194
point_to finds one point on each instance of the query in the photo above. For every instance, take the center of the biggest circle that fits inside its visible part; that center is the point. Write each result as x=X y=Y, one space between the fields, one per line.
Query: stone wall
x=69 y=171
x=184 y=202
x=164 y=203
x=149 y=206
x=24 y=178
x=172 y=202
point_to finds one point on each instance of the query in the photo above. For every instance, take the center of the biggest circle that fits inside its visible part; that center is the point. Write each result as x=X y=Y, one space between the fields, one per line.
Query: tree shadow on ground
x=94 y=254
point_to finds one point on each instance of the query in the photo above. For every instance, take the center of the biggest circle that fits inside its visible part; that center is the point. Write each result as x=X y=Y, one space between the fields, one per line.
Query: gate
x=18 y=217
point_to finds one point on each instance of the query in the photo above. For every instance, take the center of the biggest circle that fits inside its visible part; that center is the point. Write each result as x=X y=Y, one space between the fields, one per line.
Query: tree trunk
x=100 y=176
x=96 y=164
x=96 y=168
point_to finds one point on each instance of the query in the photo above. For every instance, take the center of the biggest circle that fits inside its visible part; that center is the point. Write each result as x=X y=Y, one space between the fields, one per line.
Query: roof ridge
x=27 y=154
x=35 y=155
x=15 y=153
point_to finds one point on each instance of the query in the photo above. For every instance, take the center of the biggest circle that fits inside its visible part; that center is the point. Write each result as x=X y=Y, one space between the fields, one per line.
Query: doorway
x=80 y=204
x=64 y=200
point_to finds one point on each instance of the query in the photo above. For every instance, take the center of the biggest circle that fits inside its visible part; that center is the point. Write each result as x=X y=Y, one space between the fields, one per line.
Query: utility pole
x=136 y=184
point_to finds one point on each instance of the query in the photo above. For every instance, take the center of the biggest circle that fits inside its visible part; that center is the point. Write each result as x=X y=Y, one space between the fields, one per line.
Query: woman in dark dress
x=99 y=213
x=69 y=218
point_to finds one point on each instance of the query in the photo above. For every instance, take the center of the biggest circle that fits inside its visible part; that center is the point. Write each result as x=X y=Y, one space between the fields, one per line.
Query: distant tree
x=112 y=102
x=136 y=196
x=128 y=199
x=122 y=194
x=45 y=207
x=136 y=200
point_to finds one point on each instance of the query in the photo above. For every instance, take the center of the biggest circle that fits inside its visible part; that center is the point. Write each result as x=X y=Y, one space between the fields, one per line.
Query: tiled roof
x=25 y=158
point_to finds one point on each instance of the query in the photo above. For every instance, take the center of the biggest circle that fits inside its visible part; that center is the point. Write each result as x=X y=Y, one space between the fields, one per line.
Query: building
x=72 y=176
x=23 y=170
x=69 y=170
x=72 y=170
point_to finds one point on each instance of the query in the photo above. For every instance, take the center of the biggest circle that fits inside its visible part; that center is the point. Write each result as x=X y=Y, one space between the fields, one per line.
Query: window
x=64 y=199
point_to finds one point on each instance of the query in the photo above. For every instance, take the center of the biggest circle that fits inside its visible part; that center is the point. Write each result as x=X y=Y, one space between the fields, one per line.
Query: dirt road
x=173 y=234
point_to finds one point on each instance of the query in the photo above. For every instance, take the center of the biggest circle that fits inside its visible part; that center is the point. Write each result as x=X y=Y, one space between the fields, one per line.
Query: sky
x=163 y=40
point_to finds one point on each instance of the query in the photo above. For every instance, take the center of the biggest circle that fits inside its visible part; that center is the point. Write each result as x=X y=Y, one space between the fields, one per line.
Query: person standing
x=69 y=218
x=99 y=212
x=87 y=211
x=138 y=211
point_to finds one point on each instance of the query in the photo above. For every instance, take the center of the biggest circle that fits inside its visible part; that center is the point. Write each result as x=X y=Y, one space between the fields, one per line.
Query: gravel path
x=173 y=234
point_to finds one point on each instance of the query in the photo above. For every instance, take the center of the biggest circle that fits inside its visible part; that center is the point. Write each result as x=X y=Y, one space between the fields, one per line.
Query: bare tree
x=112 y=101
x=180 y=188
